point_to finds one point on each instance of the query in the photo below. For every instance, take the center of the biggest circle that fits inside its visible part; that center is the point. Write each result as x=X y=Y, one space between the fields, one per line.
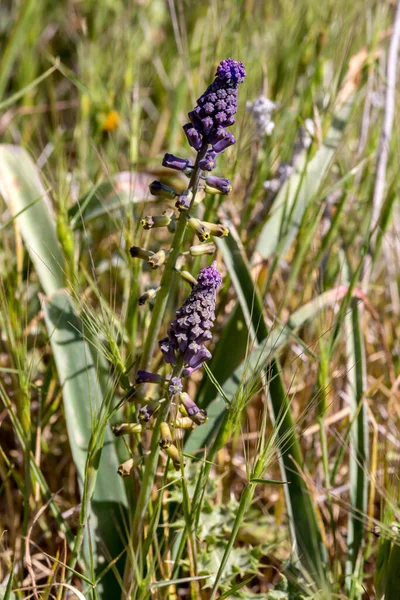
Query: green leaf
x=23 y=191
x=359 y=450
x=77 y=366
x=83 y=401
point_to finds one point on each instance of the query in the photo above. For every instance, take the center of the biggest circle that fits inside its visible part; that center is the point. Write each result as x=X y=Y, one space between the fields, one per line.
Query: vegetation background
x=291 y=488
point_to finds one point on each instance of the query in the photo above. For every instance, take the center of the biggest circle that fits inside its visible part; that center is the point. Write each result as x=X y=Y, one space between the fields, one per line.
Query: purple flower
x=193 y=323
x=197 y=415
x=193 y=136
x=175 y=386
x=146 y=377
x=174 y=162
x=168 y=351
x=215 y=112
x=222 y=184
x=208 y=163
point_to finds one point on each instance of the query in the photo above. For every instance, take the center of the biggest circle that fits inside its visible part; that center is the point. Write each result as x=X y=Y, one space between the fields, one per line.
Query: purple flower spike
x=174 y=162
x=175 y=386
x=147 y=377
x=193 y=322
x=215 y=112
x=230 y=70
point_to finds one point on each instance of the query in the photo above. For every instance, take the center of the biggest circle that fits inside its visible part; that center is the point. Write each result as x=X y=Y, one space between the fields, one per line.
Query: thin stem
x=166 y=280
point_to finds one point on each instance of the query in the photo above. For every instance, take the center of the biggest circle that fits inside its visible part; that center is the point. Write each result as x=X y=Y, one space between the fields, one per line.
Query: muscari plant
x=184 y=348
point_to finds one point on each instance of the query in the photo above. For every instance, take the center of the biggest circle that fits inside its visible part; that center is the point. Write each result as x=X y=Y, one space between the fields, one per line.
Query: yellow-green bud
x=165 y=436
x=176 y=457
x=137 y=252
x=163 y=191
x=188 y=277
x=201 y=230
x=182 y=423
x=149 y=295
x=157 y=259
x=126 y=428
x=201 y=249
x=156 y=221
x=216 y=229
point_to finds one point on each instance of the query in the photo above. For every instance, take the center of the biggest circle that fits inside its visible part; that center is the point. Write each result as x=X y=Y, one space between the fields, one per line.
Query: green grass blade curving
x=24 y=193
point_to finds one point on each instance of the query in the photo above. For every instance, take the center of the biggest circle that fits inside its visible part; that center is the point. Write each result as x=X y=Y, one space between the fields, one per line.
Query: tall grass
x=290 y=490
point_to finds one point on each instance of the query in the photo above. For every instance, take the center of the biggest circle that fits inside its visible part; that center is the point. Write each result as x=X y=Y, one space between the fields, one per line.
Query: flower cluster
x=215 y=112
x=183 y=349
x=193 y=323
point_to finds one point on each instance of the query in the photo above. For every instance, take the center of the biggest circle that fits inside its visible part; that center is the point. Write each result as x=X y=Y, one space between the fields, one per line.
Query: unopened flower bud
x=148 y=410
x=202 y=232
x=126 y=428
x=193 y=136
x=167 y=350
x=188 y=277
x=183 y=423
x=176 y=457
x=174 y=162
x=147 y=377
x=149 y=295
x=218 y=185
x=137 y=252
x=149 y=222
x=198 y=415
x=157 y=259
x=201 y=249
x=162 y=191
x=216 y=229
x=165 y=436
x=184 y=200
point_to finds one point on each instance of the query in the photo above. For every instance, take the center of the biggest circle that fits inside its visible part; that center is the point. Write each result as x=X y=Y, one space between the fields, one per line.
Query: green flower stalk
x=183 y=348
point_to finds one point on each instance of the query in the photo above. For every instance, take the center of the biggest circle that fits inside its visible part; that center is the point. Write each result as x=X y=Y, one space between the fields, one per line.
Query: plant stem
x=166 y=280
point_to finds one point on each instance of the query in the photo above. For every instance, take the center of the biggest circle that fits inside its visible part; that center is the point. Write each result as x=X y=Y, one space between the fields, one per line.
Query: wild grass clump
x=199 y=301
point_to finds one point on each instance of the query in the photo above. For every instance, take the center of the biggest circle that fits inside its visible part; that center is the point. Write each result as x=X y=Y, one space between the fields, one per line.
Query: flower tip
x=233 y=71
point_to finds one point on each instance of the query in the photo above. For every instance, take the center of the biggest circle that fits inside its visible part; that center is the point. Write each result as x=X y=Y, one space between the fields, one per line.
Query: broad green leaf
x=83 y=400
x=24 y=193
x=78 y=370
